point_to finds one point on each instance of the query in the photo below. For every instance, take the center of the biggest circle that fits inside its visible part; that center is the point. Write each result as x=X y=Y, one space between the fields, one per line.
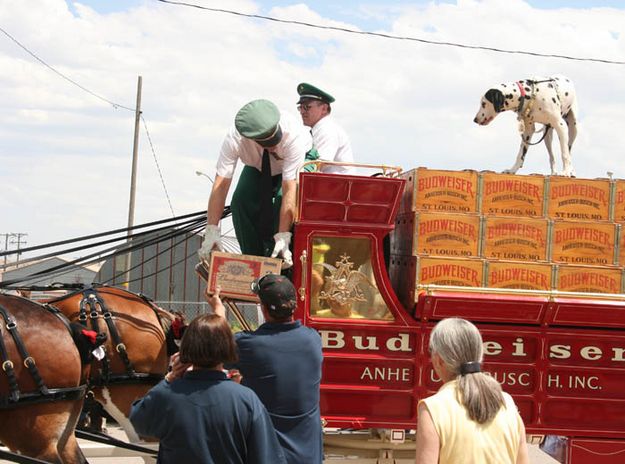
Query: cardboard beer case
x=440 y=190
x=517 y=275
x=234 y=273
x=512 y=194
x=515 y=238
x=579 y=199
x=589 y=279
x=406 y=272
x=583 y=242
x=463 y=272
x=436 y=234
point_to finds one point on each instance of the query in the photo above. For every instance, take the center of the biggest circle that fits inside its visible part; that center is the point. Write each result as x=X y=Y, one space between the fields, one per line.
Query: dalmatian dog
x=550 y=101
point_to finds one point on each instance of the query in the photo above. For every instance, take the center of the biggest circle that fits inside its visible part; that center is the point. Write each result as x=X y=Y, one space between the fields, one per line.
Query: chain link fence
x=191 y=309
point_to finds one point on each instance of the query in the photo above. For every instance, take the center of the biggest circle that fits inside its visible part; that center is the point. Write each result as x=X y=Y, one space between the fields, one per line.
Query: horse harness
x=92 y=308
x=43 y=393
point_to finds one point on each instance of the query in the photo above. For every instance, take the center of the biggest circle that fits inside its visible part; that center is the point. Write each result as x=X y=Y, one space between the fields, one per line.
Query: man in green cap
x=329 y=139
x=272 y=145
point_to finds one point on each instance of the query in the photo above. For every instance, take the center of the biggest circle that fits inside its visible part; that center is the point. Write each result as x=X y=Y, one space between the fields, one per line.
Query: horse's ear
x=496 y=97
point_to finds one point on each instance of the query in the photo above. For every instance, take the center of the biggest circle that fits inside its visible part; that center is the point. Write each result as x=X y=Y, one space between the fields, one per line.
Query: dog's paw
x=509 y=171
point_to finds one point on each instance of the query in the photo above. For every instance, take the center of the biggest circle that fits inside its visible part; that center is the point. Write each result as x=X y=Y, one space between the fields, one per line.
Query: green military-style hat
x=259 y=120
x=307 y=91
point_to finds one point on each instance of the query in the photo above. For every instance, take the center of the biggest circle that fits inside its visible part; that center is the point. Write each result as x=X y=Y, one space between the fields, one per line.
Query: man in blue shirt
x=200 y=416
x=281 y=362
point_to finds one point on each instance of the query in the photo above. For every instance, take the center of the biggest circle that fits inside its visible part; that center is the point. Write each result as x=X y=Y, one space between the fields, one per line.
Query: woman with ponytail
x=470 y=420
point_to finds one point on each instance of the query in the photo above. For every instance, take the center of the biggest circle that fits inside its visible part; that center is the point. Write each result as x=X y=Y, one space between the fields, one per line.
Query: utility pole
x=6 y=247
x=133 y=179
x=11 y=238
x=19 y=243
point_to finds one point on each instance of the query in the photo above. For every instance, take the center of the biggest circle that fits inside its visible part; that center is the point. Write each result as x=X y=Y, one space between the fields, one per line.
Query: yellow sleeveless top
x=463 y=441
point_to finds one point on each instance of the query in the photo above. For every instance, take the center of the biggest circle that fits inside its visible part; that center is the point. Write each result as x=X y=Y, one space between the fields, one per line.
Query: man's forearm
x=287 y=210
x=217 y=199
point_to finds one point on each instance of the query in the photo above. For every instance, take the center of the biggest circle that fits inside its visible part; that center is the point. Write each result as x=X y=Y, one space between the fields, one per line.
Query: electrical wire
x=192 y=227
x=391 y=36
x=192 y=231
x=98 y=256
x=196 y=215
x=158 y=167
x=71 y=81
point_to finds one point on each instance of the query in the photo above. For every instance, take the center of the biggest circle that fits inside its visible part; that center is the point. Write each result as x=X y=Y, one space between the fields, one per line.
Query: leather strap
x=29 y=362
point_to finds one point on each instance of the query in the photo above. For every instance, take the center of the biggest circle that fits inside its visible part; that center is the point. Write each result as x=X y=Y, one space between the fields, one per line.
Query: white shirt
x=289 y=153
x=332 y=144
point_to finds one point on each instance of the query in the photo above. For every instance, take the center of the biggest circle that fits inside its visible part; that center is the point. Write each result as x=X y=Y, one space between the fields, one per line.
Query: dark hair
x=458 y=342
x=207 y=342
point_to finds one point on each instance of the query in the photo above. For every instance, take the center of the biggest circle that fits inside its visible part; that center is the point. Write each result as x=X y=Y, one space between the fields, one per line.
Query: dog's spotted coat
x=550 y=101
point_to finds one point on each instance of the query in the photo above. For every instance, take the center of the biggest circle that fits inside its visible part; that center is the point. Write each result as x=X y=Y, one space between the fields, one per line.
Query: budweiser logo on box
x=521 y=239
x=528 y=276
x=464 y=272
x=579 y=199
x=512 y=195
x=583 y=242
x=438 y=190
x=588 y=279
x=234 y=273
x=444 y=234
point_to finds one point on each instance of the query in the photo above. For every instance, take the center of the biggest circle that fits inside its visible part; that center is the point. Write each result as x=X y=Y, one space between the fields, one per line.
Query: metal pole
x=133 y=176
x=6 y=247
x=19 y=245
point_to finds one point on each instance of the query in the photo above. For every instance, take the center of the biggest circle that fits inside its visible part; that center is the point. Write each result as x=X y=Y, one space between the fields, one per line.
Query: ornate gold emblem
x=344 y=285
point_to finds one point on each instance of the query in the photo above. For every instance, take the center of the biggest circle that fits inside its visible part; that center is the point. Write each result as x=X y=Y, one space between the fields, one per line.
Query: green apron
x=246 y=209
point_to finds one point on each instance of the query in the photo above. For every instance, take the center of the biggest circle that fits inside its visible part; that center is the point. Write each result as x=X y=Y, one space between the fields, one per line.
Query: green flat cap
x=310 y=91
x=259 y=120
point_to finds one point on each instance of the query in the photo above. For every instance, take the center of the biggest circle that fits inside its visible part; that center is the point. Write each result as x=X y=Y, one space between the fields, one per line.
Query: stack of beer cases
x=508 y=231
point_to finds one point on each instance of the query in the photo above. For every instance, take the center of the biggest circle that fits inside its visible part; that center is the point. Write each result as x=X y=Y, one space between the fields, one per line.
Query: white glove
x=283 y=240
x=212 y=239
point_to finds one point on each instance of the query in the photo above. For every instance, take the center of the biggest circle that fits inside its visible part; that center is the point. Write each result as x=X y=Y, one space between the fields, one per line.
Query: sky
x=65 y=154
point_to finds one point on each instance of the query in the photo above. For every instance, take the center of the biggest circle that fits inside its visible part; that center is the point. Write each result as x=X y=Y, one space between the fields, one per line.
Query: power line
x=115 y=105
x=391 y=36
x=158 y=167
x=71 y=81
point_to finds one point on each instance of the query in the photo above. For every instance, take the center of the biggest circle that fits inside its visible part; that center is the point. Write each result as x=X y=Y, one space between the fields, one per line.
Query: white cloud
x=65 y=155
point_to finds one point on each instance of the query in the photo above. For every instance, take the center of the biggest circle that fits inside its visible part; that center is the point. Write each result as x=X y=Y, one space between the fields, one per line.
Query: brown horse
x=136 y=349
x=42 y=381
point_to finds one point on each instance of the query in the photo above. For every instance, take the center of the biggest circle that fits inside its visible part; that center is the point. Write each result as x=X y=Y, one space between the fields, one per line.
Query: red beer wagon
x=560 y=354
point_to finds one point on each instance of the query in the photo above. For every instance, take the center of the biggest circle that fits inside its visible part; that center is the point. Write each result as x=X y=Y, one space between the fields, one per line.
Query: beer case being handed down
x=234 y=273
